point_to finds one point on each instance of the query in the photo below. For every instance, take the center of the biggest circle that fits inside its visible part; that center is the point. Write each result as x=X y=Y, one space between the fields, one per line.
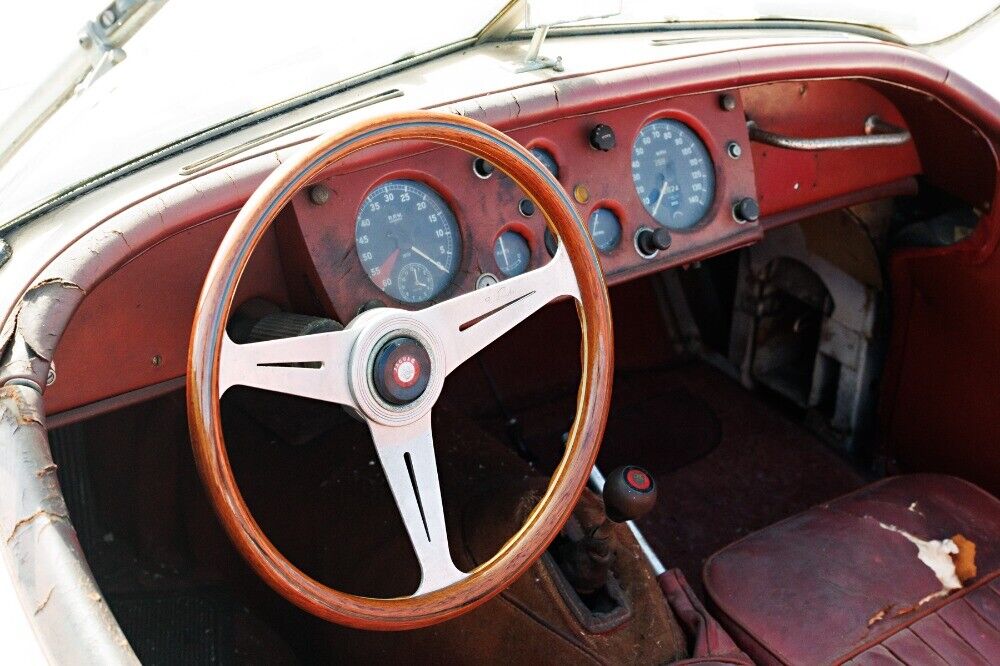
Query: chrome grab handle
x=878 y=133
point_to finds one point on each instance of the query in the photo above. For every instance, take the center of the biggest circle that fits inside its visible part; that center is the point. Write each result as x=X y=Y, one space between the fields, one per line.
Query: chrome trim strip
x=221 y=156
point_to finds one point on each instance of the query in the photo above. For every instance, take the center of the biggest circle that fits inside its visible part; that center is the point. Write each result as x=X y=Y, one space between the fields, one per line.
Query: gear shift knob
x=629 y=493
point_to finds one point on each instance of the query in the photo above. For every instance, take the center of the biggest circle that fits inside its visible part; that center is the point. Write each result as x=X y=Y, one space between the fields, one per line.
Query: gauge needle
x=438 y=264
x=659 y=199
x=416 y=278
x=593 y=230
x=389 y=262
x=503 y=251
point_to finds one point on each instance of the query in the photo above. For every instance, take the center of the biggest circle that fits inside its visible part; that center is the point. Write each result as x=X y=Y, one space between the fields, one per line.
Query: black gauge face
x=605 y=229
x=673 y=174
x=407 y=240
x=545 y=157
x=511 y=253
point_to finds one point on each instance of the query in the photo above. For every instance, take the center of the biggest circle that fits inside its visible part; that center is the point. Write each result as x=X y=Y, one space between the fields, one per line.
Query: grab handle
x=877 y=133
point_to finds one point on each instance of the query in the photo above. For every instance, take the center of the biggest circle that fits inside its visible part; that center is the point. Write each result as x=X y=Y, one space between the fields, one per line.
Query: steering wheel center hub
x=397 y=367
x=401 y=370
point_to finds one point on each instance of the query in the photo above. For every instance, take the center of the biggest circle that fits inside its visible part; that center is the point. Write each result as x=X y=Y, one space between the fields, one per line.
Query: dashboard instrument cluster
x=657 y=183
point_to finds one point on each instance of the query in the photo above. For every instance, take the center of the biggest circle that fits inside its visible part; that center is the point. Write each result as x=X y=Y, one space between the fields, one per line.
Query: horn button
x=401 y=371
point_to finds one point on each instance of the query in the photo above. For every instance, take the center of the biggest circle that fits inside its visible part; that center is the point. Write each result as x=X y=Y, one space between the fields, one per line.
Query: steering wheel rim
x=215 y=363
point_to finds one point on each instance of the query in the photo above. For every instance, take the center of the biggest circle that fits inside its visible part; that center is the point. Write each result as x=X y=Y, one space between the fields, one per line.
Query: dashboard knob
x=629 y=494
x=602 y=137
x=746 y=210
x=651 y=241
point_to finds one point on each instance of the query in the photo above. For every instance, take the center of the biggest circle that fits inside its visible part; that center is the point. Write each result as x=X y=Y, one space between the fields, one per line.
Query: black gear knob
x=629 y=493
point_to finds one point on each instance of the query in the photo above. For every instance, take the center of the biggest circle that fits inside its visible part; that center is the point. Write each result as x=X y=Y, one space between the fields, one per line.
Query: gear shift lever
x=629 y=493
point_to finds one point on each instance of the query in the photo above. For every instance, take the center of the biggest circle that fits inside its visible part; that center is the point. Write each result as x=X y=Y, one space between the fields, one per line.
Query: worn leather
x=832 y=583
x=708 y=642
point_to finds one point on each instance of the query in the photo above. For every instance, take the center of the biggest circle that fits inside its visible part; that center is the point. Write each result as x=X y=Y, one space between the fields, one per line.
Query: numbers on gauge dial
x=511 y=253
x=673 y=173
x=605 y=229
x=407 y=240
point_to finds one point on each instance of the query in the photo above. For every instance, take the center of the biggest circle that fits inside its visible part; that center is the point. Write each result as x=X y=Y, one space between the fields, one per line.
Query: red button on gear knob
x=629 y=493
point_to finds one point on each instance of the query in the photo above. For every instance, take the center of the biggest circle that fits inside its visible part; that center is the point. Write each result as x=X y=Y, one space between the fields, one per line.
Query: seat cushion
x=842 y=580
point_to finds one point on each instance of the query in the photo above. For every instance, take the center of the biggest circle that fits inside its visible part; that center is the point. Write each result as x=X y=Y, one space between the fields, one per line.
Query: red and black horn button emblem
x=401 y=371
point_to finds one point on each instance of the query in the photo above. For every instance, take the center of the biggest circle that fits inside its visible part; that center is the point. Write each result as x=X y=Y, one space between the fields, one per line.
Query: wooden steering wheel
x=344 y=367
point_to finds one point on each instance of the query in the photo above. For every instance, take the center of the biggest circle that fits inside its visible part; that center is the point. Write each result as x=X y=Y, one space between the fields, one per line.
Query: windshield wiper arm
x=98 y=49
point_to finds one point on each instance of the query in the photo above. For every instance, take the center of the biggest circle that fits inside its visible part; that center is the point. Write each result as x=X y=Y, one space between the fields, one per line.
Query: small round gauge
x=511 y=253
x=547 y=160
x=415 y=282
x=605 y=229
x=673 y=173
x=407 y=240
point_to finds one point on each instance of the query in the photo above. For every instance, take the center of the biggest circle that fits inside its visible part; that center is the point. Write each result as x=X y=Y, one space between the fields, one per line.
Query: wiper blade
x=98 y=49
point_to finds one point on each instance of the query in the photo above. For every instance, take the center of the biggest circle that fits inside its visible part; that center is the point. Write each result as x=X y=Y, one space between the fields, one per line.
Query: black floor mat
x=166 y=619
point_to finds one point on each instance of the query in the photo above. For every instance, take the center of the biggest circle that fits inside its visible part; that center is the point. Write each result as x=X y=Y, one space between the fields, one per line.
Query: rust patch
x=40 y=607
x=41 y=513
x=24 y=413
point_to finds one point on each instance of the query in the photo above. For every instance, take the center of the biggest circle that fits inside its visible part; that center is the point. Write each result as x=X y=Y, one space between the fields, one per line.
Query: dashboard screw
x=733 y=150
x=727 y=102
x=319 y=194
x=157 y=361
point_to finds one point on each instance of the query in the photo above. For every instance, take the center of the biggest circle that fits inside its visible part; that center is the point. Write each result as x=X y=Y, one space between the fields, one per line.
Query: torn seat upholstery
x=842 y=582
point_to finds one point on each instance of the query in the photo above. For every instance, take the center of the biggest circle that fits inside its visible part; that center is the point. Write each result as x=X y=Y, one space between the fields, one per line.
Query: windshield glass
x=196 y=64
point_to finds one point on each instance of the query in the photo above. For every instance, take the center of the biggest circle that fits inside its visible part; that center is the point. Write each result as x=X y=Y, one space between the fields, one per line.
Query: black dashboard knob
x=746 y=210
x=651 y=241
x=602 y=137
x=629 y=493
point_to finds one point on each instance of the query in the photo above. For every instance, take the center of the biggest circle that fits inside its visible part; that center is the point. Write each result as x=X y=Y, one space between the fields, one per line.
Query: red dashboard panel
x=790 y=179
x=485 y=208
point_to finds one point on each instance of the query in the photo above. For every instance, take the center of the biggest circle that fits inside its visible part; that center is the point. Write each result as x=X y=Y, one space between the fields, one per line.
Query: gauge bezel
x=525 y=232
x=436 y=186
x=714 y=153
x=552 y=149
x=619 y=211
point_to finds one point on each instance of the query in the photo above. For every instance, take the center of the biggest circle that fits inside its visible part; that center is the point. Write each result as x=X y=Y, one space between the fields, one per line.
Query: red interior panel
x=789 y=179
x=144 y=312
x=486 y=208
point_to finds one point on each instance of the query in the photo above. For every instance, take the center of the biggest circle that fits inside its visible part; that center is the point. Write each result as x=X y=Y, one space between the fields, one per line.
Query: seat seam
x=958 y=594
x=960 y=636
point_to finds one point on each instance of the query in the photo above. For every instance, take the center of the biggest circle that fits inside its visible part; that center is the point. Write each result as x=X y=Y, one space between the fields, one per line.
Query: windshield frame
x=243 y=121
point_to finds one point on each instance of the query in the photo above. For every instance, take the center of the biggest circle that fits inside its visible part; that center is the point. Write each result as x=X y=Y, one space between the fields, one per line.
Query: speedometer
x=407 y=240
x=673 y=173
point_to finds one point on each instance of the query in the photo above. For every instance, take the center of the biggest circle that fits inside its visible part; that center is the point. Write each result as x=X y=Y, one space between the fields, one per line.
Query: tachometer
x=673 y=173
x=407 y=240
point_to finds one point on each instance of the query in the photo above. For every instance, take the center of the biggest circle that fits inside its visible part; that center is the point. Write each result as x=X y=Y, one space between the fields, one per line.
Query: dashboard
x=656 y=182
x=362 y=235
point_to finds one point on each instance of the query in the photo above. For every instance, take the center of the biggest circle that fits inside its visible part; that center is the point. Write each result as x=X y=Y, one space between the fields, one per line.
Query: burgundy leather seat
x=834 y=585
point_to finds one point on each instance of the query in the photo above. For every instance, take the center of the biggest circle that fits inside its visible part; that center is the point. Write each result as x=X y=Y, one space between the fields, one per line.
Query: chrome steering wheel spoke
x=408 y=460
x=310 y=366
x=472 y=321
